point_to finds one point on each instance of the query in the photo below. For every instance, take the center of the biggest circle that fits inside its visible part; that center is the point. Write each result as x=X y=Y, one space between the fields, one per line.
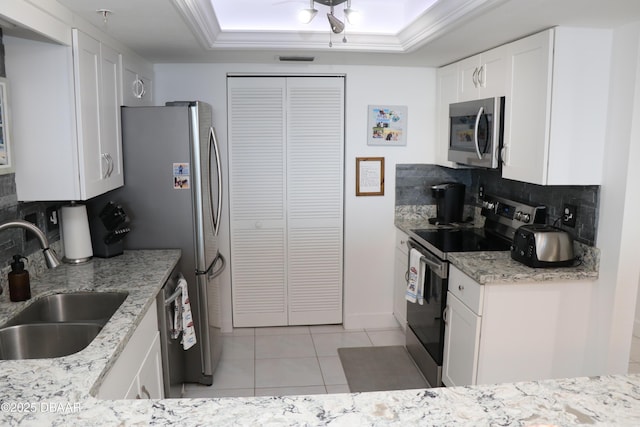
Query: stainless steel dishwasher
x=173 y=355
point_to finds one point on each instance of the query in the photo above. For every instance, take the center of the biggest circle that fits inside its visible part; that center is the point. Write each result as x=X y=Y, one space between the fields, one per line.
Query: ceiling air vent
x=296 y=58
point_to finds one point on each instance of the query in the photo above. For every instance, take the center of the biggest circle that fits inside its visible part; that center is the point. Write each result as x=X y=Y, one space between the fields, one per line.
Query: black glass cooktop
x=461 y=240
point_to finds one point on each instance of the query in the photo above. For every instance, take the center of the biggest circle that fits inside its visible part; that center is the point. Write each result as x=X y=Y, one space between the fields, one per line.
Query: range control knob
x=488 y=205
x=521 y=216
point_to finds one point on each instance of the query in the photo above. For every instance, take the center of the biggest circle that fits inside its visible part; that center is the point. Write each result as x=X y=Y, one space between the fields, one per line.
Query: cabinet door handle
x=106 y=157
x=138 y=88
x=503 y=154
x=482 y=81
x=444 y=314
x=144 y=391
x=111 y=164
x=461 y=288
x=475 y=77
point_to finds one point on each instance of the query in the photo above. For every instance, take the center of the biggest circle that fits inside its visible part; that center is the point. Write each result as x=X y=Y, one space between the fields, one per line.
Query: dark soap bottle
x=19 y=285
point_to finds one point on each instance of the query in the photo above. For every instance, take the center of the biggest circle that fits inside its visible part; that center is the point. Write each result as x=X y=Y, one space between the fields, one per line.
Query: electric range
x=425 y=332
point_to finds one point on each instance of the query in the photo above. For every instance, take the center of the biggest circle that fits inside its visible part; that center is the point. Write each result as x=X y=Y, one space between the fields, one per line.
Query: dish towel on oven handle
x=415 y=282
x=188 y=331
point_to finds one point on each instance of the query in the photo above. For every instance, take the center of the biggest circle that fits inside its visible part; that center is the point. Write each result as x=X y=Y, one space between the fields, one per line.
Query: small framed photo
x=387 y=125
x=369 y=176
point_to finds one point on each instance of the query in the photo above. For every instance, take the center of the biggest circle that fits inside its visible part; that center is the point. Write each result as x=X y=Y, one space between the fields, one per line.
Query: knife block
x=99 y=234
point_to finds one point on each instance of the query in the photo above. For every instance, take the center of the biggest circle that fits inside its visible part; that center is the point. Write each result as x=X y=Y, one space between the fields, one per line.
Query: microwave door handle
x=475 y=132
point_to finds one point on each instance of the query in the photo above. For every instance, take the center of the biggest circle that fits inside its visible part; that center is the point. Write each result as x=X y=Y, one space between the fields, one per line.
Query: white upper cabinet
x=483 y=76
x=73 y=94
x=556 y=107
x=98 y=80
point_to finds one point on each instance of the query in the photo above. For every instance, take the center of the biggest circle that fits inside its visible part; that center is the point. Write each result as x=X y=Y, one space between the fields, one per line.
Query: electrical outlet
x=52 y=219
x=569 y=213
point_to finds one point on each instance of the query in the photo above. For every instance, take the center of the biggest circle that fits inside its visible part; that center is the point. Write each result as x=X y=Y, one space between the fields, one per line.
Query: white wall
x=618 y=225
x=369 y=227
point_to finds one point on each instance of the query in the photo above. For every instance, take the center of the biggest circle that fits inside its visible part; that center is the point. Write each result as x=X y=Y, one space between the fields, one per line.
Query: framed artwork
x=387 y=125
x=6 y=164
x=369 y=176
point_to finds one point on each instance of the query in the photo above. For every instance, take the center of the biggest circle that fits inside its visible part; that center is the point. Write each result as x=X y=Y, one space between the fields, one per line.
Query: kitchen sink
x=85 y=307
x=45 y=340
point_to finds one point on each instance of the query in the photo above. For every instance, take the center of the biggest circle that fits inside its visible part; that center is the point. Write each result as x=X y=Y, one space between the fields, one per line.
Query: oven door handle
x=437 y=265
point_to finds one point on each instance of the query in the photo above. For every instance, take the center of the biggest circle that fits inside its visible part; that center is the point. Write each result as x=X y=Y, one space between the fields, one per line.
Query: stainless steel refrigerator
x=173 y=196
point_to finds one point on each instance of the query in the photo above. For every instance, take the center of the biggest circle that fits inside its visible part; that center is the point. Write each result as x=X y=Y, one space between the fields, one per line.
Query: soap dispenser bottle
x=19 y=285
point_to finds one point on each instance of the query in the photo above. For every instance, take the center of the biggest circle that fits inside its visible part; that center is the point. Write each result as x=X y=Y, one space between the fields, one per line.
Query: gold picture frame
x=369 y=176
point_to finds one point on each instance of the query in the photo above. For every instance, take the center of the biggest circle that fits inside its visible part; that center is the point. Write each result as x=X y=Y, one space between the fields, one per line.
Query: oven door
x=475 y=132
x=425 y=335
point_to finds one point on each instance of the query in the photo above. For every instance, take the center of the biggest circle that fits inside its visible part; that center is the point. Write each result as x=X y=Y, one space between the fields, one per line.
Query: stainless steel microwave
x=475 y=132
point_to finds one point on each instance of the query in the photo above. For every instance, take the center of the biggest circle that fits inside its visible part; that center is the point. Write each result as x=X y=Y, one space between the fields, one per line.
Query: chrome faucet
x=50 y=257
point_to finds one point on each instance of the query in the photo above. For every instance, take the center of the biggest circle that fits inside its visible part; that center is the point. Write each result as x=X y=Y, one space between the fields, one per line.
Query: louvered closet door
x=256 y=109
x=286 y=145
x=315 y=141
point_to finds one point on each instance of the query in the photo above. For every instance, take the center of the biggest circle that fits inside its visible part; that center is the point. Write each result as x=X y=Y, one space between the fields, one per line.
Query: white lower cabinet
x=514 y=332
x=461 y=343
x=400 y=278
x=137 y=374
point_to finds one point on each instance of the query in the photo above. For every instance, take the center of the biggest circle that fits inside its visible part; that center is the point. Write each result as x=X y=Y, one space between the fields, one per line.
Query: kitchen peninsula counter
x=61 y=391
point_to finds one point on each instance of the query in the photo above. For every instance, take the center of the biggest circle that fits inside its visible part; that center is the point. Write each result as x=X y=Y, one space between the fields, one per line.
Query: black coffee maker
x=449 y=198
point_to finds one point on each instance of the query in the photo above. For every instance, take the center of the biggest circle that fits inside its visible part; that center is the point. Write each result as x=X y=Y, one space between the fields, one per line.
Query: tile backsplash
x=413 y=182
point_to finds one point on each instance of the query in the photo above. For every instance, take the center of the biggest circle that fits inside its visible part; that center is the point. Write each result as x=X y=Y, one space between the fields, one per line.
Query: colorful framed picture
x=387 y=125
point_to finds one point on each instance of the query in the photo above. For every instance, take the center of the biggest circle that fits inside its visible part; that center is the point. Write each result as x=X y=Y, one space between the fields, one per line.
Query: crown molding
x=440 y=17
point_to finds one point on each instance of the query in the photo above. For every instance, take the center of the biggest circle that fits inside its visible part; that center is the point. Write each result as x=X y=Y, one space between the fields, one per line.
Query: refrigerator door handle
x=213 y=143
x=210 y=271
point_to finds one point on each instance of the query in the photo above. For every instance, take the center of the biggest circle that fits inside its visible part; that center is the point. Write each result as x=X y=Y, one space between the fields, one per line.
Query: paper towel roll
x=76 y=237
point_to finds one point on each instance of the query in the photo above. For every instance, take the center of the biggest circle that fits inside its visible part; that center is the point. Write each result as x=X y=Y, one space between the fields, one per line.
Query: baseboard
x=370 y=321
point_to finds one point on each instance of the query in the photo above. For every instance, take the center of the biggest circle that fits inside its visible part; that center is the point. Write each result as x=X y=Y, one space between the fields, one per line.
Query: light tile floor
x=287 y=361
x=299 y=360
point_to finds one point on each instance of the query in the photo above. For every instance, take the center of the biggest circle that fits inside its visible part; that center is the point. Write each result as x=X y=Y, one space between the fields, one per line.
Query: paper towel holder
x=76 y=237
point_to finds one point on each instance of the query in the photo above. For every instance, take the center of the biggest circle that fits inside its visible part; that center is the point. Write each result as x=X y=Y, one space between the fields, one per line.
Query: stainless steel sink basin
x=45 y=340
x=94 y=307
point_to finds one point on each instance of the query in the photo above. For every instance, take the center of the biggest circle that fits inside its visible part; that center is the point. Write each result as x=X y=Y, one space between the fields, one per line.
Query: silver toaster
x=539 y=245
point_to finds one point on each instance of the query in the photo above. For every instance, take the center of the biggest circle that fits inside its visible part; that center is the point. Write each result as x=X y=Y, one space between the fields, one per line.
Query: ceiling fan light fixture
x=306 y=15
x=337 y=26
x=353 y=16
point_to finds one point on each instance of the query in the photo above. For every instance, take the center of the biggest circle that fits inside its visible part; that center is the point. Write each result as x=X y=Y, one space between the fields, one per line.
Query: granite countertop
x=60 y=391
x=76 y=377
x=496 y=267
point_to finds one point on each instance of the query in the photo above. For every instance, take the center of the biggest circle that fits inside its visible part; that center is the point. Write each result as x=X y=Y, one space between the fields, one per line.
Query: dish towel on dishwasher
x=188 y=331
x=415 y=282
